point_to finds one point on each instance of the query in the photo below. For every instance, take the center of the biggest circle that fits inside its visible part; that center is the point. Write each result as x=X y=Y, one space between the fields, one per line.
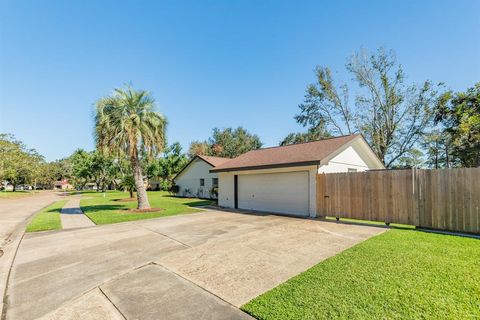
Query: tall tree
x=103 y=169
x=459 y=113
x=126 y=124
x=201 y=148
x=18 y=164
x=391 y=115
x=169 y=165
x=300 y=137
x=81 y=162
x=438 y=151
x=228 y=143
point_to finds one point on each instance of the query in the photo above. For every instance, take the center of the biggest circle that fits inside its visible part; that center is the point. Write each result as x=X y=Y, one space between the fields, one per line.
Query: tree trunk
x=131 y=193
x=138 y=177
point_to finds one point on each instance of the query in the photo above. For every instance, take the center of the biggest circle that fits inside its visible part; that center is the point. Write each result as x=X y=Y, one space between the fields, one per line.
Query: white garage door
x=274 y=192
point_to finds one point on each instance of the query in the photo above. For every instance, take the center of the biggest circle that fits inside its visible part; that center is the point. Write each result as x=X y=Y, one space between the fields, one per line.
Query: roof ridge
x=214 y=157
x=296 y=144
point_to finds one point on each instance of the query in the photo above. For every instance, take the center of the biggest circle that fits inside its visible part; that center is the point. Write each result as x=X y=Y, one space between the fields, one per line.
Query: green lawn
x=109 y=210
x=401 y=274
x=48 y=218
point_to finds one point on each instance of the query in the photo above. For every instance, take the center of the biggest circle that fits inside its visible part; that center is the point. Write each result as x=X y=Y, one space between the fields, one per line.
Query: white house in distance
x=196 y=180
x=283 y=179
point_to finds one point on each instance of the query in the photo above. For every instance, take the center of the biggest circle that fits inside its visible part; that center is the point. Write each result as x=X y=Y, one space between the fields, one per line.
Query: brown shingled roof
x=214 y=161
x=307 y=153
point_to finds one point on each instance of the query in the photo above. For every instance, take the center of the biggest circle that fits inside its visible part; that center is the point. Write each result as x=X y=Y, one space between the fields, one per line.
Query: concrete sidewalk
x=73 y=217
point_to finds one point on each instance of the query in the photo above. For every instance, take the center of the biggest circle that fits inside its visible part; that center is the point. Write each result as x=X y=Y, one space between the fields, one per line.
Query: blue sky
x=209 y=63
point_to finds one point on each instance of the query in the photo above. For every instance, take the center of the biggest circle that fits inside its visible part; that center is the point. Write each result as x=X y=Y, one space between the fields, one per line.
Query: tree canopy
x=228 y=143
x=18 y=164
x=126 y=124
x=166 y=167
x=392 y=115
x=459 y=114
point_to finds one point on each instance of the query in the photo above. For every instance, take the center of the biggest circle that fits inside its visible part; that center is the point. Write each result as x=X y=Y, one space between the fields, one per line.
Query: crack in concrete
x=113 y=304
x=196 y=285
x=165 y=235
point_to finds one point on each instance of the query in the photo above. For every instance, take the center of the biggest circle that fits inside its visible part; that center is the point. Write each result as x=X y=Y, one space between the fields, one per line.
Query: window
x=352 y=170
x=215 y=182
x=202 y=182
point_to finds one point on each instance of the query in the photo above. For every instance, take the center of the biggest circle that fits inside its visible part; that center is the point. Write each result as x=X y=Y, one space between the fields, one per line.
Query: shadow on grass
x=199 y=203
x=102 y=207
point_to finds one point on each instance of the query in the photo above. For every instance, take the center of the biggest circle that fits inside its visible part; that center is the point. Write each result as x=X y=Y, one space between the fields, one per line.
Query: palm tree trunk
x=138 y=177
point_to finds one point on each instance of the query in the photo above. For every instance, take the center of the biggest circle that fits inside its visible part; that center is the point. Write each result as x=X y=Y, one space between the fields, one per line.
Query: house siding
x=190 y=179
x=347 y=159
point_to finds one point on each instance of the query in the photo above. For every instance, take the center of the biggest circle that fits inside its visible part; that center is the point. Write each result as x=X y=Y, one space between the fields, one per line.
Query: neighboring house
x=283 y=179
x=90 y=186
x=62 y=185
x=7 y=186
x=195 y=179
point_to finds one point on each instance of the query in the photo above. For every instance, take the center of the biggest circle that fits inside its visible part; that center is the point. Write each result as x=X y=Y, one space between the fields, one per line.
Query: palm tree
x=127 y=125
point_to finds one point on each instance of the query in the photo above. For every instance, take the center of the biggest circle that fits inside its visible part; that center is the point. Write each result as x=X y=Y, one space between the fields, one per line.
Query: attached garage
x=274 y=192
x=283 y=179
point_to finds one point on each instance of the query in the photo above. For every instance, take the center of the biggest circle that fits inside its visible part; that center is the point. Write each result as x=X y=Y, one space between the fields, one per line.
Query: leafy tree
x=127 y=183
x=81 y=162
x=103 y=169
x=411 y=159
x=126 y=124
x=438 y=151
x=228 y=143
x=391 y=115
x=169 y=165
x=18 y=165
x=201 y=148
x=459 y=113
x=48 y=173
x=300 y=137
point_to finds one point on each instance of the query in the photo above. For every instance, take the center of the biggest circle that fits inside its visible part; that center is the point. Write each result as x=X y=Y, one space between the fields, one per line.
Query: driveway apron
x=192 y=266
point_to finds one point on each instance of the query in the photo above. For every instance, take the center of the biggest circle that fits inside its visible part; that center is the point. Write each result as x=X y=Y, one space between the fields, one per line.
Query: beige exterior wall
x=356 y=156
x=190 y=179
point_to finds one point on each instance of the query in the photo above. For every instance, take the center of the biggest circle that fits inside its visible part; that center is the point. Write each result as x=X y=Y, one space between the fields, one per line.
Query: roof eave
x=267 y=166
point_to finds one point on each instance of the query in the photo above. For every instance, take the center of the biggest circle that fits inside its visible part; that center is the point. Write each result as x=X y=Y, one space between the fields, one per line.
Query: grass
x=109 y=210
x=48 y=218
x=400 y=274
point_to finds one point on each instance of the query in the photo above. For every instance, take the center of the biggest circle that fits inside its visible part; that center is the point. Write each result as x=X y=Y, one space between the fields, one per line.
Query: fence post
x=416 y=195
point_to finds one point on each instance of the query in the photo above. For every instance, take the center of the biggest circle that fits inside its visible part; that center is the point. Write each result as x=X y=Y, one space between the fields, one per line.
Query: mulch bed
x=135 y=210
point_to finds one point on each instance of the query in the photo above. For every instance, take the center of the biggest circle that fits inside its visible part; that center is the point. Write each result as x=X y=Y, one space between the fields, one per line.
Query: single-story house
x=196 y=180
x=283 y=179
x=62 y=185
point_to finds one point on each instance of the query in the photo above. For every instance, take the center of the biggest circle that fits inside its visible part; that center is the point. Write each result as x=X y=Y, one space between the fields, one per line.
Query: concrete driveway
x=194 y=266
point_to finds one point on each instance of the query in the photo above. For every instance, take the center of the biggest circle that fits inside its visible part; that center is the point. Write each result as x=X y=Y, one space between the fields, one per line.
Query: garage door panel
x=275 y=192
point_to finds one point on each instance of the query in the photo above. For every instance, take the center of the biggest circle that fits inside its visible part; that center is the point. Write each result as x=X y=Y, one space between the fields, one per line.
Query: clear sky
x=209 y=63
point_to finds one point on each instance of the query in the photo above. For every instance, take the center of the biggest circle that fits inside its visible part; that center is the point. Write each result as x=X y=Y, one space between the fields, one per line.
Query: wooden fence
x=445 y=199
